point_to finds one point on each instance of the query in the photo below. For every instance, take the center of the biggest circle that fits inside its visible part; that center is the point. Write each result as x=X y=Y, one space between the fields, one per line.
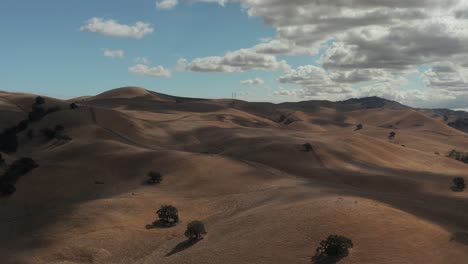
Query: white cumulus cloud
x=145 y=70
x=115 y=54
x=256 y=81
x=112 y=28
x=142 y=60
x=235 y=61
x=166 y=4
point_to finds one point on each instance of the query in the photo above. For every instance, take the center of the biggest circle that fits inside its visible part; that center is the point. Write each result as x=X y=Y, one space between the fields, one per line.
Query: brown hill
x=240 y=168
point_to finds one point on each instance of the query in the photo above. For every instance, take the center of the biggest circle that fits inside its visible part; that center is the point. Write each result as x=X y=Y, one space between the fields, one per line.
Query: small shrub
x=73 y=106
x=334 y=247
x=154 y=177
x=359 y=127
x=307 y=147
x=168 y=215
x=195 y=230
x=459 y=183
x=392 y=135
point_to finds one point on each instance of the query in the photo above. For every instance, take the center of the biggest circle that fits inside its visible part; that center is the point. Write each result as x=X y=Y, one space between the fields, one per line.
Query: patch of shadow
x=159 y=224
x=286 y=120
x=247 y=123
x=323 y=259
x=460 y=237
x=183 y=246
x=336 y=122
x=457 y=189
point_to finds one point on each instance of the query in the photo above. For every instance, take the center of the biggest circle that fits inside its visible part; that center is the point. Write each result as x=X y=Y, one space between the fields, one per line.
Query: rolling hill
x=241 y=169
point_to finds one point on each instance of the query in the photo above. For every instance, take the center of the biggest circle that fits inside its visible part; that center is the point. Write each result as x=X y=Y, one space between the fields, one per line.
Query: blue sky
x=43 y=51
x=207 y=48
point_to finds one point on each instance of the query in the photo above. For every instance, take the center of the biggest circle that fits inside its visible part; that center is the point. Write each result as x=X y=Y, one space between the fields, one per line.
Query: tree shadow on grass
x=457 y=189
x=324 y=259
x=460 y=237
x=159 y=224
x=183 y=246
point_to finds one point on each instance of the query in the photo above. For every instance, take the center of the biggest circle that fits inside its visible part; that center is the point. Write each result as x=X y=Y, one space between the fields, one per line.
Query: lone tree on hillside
x=333 y=248
x=359 y=127
x=459 y=183
x=154 y=178
x=73 y=106
x=168 y=216
x=392 y=135
x=307 y=147
x=39 y=101
x=195 y=230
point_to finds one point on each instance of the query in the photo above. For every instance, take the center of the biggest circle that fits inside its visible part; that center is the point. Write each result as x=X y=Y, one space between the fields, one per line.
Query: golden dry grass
x=262 y=198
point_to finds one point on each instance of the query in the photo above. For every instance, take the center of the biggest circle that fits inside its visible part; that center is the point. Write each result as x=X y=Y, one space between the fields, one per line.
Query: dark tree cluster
x=154 y=178
x=358 y=127
x=458 y=155
x=9 y=139
x=333 y=248
x=58 y=132
x=73 y=106
x=460 y=123
x=307 y=147
x=195 y=230
x=168 y=216
x=392 y=135
x=17 y=169
x=39 y=111
x=459 y=184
